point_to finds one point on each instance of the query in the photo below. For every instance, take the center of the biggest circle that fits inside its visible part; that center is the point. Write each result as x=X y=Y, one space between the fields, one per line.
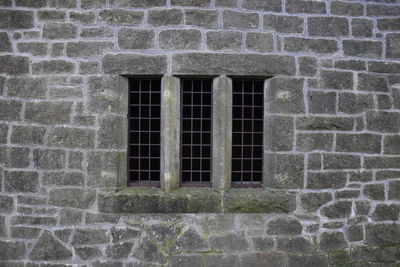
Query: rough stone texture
x=331 y=189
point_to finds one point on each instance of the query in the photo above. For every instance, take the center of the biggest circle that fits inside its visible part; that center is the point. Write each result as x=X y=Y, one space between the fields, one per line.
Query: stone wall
x=332 y=144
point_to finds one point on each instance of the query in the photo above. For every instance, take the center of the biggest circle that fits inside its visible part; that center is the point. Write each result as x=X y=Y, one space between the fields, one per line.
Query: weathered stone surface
x=63 y=4
x=374 y=191
x=372 y=82
x=201 y=18
x=138 y=3
x=383 y=121
x=308 y=66
x=110 y=133
x=309 y=7
x=5 y=44
x=386 y=212
x=119 y=251
x=51 y=15
x=284 y=226
x=88 y=253
x=350 y=64
x=122 y=17
x=382 y=10
x=284 y=170
x=222 y=260
x=367 y=49
x=121 y=234
x=305 y=260
x=186 y=260
x=6 y=204
x=285 y=95
x=265 y=259
x=229 y=242
x=260 y=42
x=347 y=8
x=48 y=112
x=240 y=20
x=53 y=67
x=365 y=143
x=322 y=102
x=100 y=32
x=163 y=232
x=43 y=221
x=16 y=19
x=332 y=241
x=14 y=64
x=284 y=24
x=312 y=201
x=190 y=241
x=245 y=64
x=72 y=197
x=21 y=181
x=293 y=244
x=392 y=45
x=367 y=253
x=63 y=178
x=320 y=180
x=384 y=67
x=324 y=123
x=104 y=168
x=378 y=162
x=49 y=158
x=132 y=63
x=314 y=141
x=84 y=17
x=339 y=209
x=322 y=46
x=70 y=217
x=355 y=103
x=336 y=79
x=224 y=40
x=59 y=31
x=49 y=248
x=88 y=4
x=30 y=87
x=361 y=27
x=136 y=38
x=89 y=237
x=180 y=39
x=87 y=49
x=148 y=252
x=273 y=5
x=165 y=17
x=34 y=48
x=12 y=250
x=25 y=232
x=382 y=234
x=71 y=137
x=279 y=133
x=328 y=26
x=341 y=161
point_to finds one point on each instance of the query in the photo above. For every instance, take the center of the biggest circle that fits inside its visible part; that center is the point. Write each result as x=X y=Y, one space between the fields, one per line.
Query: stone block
x=240 y=20
x=25 y=232
x=221 y=260
x=273 y=5
x=293 y=244
x=138 y=3
x=88 y=253
x=136 y=38
x=392 y=45
x=49 y=158
x=199 y=3
x=305 y=260
x=63 y=178
x=51 y=15
x=104 y=168
x=70 y=217
x=336 y=79
x=279 y=133
x=363 y=143
x=374 y=191
x=339 y=209
x=3 y=133
x=62 y=4
x=190 y=241
x=27 y=87
x=72 y=197
x=367 y=49
x=311 y=202
x=48 y=248
x=14 y=64
x=283 y=24
x=59 y=30
x=165 y=17
x=320 y=46
x=119 y=251
x=355 y=103
x=284 y=226
x=372 y=82
x=391 y=144
x=21 y=181
x=388 y=24
x=100 y=32
x=201 y=18
x=307 y=66
x=180 y=39
x=384 y=67
x=232 y=64
x=361 y=27
x=386 y=212
x=224 y=40
x=383 y=121
x=382 y=234
x=83 y=17
x=315 y=123
x=10 y=110
x=314 y=141
x=48 y=112
x=381 y=162
x=341 y=161
x=89 y=237
x=283 y=170
x=53 y=67
x=263 y=259
x=304 y=6
x=229 y=242
x=34 y=48
x=285 y=95
x=87 y=49
x=148 y=252
x=260 y=42
x=321 y=180
x=16 y=19
x=350 y=64
x=6 y=204
x=10 y=250
x=5 y=44
x=71 y=137
x=15 y=157
x=314 y=161
x=121 y=17
x=347 y=8
x=322 y=102
x=328 y=26
x=34 y=4
x=89 y=4
x=332 y=241
x=382 y=10
x=111 y=134
x=133 y=63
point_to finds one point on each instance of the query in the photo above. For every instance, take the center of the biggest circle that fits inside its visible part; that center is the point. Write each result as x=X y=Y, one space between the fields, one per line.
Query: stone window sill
x=195 y=200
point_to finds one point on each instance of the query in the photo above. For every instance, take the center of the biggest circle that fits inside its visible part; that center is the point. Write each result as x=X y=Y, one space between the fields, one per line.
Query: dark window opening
x=247 y=132
x=196 y=118
x=144 y=131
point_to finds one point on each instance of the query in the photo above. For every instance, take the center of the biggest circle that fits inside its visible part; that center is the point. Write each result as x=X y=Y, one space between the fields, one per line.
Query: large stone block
x=224 y=40
x=381 y=162
x=16 y=19
x=279 y=133
x=59 y=30
x=221 y=260
x=199 y=3
x=284 y=24
x=6 y=204
x=391 y=144
x=384 y=67
x=27 y=134
x=332 y=241
x=72 y=197
x=293 y=244
x=386 y=212
x=283 y=170
x=263 y=259
x=361 y=27
x=347 y=8
x=48 y=112
x=367 y=49
x=111 y=132
x=104 y=168
x=71 y=137
x=180 y=39
x=394 y=190
x=328 y=26
x=314 y=141
x=388 y=24
x=383 y=121
x=14 y=64
x=89 y=237
x=311 y=202
x=382 y=10
x=27 y=87
x=322 y=102
x=306 y=260
x=285 y=95
x=363 y=143
x=321 y=46
x=134 y=64
x=229 y=242
x=34 y=48
x=261 y=42
x=10 y=110
x=5 y=44
x=382 y=234
x=336 y=79
x=21 y=181
x=372 y=82
x=48 y=248
x=333 y=161
x=53 y=67
x=63 y=178
x=136 y=38
x=138 y=3
x=315 y=123
x=87 y=49
x=308 y=66
x=351 y=103
x=121 y=17
x=284 y=226
x=201 y=18
x=272 y=5
x=49 y=158
x=232 y=64
x=392 y=45
x=15 y=157
x=12 y=250
x=339 y=209
x=165 y=17
x=321 y=180
x=304 y=6
x=240 y=20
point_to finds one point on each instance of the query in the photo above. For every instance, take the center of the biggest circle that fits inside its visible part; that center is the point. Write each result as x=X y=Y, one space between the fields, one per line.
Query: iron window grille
x=144 y=131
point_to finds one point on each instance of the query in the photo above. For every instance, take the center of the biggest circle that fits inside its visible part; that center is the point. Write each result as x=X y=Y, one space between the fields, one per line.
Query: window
x=172 y=136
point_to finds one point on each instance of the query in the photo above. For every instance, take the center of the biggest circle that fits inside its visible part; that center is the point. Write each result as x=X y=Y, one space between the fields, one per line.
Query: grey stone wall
x=332 y=144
